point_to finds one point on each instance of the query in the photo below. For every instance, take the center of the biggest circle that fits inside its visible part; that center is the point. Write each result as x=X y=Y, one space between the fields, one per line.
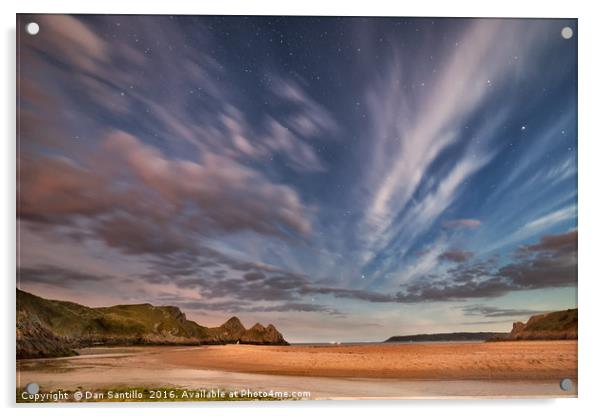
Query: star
x=523 y=128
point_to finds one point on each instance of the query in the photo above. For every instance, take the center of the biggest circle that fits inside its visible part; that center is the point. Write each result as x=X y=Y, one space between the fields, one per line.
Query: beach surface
x=435 y=361
x=499 y=369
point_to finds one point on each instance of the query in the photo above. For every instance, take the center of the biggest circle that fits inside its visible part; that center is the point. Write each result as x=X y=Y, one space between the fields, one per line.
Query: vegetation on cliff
x=548 y=326
x=50 y=328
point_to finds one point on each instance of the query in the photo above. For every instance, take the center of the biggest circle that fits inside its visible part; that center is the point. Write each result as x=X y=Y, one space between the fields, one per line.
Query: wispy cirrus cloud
x=415 y=123
x=552 y=218
x=535 y=226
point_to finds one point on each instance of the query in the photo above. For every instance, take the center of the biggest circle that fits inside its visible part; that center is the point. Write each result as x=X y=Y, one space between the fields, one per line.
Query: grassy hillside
x=53 y=328
x=147 y=318
x=131 y=321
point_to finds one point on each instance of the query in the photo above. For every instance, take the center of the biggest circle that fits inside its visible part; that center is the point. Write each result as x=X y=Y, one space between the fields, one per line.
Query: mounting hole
x=32 y=388
x=566 y=384
x=32 y=28
x=566 y=32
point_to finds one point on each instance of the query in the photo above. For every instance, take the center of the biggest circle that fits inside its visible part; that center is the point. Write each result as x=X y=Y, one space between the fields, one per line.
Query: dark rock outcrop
x=36 y=341
x=50 y=328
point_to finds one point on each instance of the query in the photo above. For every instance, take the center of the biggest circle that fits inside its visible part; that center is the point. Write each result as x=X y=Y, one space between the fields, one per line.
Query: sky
x=346 y=179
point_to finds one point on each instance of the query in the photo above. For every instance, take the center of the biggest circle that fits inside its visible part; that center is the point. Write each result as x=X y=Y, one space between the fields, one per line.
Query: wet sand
x=507 y=369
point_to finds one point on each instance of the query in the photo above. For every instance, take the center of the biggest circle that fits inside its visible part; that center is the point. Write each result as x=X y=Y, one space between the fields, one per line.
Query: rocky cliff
x=36 y=341
x=50 y=328
x=553 y=325
x=233 y=331
x=258 y=334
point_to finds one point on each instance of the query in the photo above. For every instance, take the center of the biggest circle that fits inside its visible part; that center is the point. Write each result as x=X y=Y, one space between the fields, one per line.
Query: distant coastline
x=558 y=325
x=443 y=337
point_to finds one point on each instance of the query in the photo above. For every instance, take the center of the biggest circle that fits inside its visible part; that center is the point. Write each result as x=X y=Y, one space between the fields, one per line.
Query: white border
x=590 y=207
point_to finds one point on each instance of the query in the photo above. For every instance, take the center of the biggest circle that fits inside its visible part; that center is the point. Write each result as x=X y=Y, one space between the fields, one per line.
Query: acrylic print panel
x=295 y=208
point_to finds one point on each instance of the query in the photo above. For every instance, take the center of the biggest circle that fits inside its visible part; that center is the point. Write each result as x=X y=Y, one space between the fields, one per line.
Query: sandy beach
x=505 y=369
x=445 y=361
